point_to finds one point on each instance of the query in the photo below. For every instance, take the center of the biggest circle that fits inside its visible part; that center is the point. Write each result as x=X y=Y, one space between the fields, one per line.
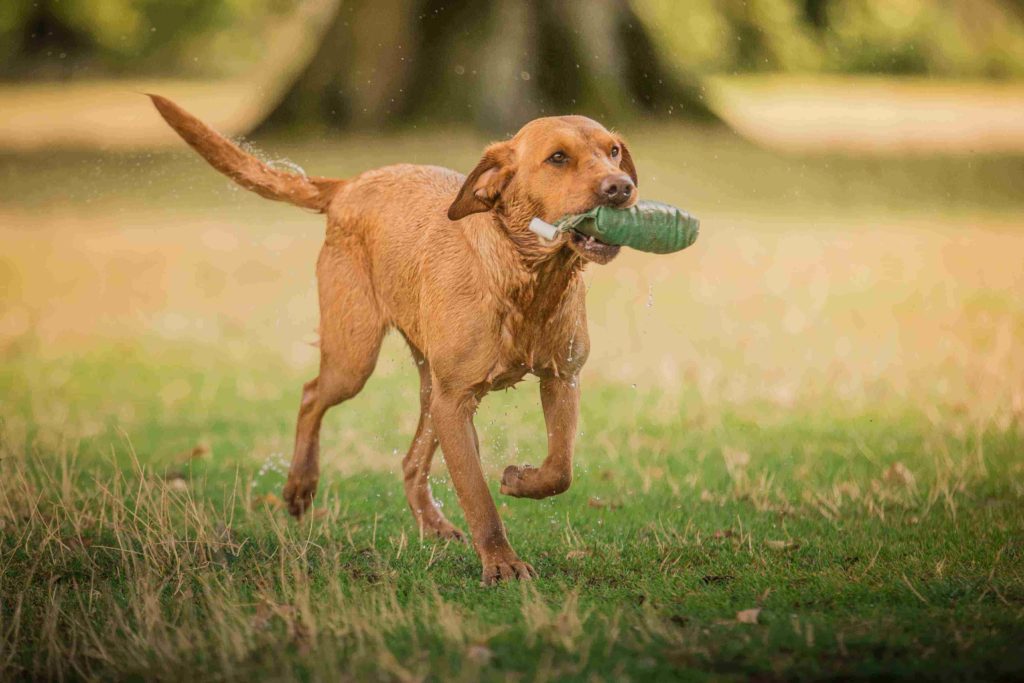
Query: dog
x=449 y=262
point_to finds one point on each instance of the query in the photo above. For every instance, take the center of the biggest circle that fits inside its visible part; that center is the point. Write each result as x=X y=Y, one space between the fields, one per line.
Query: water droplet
x=289 y=165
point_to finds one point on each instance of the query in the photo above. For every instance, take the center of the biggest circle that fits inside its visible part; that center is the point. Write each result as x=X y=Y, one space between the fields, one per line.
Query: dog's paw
x=298 y=494
x=526 y=481
x=506 y=569
x=441 y=528
x=452 y=533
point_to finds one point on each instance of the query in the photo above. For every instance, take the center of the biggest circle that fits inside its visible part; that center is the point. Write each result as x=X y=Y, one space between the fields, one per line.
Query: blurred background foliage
x=374 y=63
x=94 y=38
x=956 y=38
x=63 y=39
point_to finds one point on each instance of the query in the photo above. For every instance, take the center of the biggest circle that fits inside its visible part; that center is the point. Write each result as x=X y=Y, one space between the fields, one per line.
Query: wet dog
x=450 y=263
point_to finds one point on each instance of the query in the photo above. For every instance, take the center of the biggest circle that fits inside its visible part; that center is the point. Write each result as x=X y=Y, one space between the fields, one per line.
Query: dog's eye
x=615 y=151
x=558 y=158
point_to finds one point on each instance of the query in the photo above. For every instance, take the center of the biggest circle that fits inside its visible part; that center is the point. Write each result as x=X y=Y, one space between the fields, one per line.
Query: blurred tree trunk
x=41 y=43
x=493 y=64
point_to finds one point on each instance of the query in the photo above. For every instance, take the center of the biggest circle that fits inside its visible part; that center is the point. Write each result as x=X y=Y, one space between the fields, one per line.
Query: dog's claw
x=453 y=534
x=506 y=571
x=444 y=530
x=299 y=496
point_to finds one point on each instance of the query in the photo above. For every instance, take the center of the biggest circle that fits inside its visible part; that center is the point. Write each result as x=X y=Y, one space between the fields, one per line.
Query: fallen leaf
x=748 y=616
x=596 y=502
x=723 y=533
x=576 y=554
x=782 y=545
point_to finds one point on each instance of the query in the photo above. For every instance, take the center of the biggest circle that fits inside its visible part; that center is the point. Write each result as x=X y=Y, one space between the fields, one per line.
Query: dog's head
x=552 y=167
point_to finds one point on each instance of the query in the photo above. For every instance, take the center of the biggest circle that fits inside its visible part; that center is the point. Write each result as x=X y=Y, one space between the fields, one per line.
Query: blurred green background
x=496 y=63
x=203 y=38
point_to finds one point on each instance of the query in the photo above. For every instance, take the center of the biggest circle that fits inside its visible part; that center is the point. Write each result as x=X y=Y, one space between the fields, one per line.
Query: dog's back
x=395 y=217
x=387 y=219
x=449 y=261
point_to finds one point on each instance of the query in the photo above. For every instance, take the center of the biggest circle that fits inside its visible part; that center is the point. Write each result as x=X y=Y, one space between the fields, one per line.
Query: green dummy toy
x=646 y=226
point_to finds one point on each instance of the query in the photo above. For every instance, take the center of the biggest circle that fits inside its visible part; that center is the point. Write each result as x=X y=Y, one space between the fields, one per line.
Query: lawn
x=801 y=450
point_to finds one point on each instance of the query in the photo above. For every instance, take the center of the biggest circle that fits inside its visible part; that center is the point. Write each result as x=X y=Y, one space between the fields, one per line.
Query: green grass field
x=802 y=448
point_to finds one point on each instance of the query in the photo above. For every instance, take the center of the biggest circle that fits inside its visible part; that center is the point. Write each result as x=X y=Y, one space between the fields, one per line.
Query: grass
x=142 y=538
x=816 y=413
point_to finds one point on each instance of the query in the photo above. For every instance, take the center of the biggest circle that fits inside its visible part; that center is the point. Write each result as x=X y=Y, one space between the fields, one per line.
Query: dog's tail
x=245 y=169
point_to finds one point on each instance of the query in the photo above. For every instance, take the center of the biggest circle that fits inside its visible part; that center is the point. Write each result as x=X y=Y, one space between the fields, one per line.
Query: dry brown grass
x=777 y=310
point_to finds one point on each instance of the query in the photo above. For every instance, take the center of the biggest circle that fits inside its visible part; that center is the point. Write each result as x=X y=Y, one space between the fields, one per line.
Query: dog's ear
x=485 y=183
x=626 y=164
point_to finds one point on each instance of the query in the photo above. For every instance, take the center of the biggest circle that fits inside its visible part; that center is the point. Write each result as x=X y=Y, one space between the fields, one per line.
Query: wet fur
x=449 y=262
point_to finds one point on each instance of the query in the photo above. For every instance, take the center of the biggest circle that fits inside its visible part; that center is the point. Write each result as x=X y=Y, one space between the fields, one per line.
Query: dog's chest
x=553 y=346
x=540 y=325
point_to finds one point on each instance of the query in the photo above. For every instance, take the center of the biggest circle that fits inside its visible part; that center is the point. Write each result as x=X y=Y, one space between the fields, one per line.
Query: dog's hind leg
x=351 y=330
x=416 y=465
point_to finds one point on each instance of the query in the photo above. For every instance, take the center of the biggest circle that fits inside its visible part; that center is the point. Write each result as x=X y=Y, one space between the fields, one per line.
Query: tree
x=65 y=39
x=492 y=63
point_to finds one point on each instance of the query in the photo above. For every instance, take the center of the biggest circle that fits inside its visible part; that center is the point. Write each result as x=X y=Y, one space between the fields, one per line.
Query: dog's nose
x=617 y=189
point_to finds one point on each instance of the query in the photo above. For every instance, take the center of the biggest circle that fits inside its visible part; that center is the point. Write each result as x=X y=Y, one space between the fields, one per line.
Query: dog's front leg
x=452 y=414
x=560 y=398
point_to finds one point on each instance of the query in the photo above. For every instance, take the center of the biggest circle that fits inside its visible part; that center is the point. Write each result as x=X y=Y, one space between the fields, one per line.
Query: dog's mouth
x=591 y=248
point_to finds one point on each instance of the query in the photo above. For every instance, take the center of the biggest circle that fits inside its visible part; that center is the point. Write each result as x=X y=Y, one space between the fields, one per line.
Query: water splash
x=278 y=164
x=275 y=465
